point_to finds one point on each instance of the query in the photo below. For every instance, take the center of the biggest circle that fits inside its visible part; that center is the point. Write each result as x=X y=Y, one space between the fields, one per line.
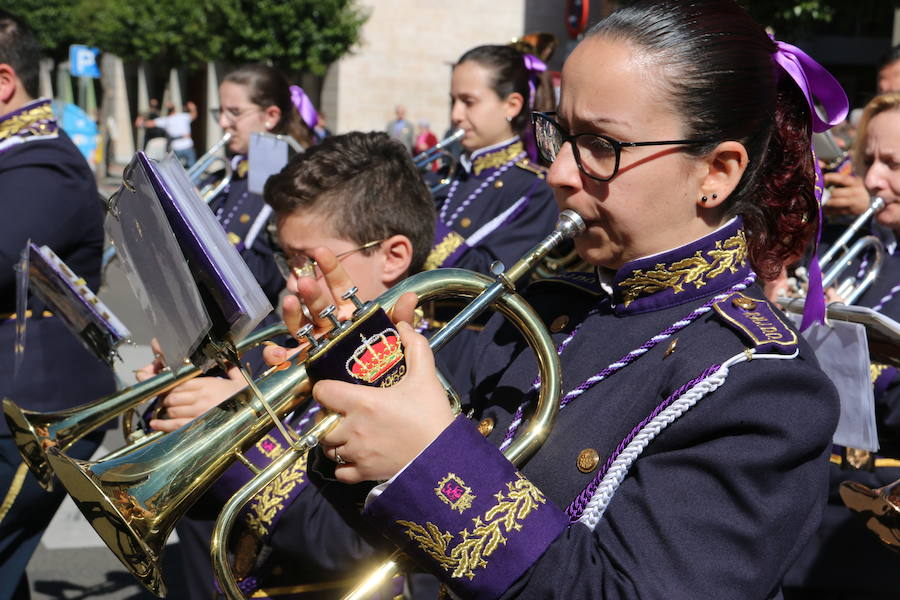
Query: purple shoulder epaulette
x=532 y=167
x=758 y=324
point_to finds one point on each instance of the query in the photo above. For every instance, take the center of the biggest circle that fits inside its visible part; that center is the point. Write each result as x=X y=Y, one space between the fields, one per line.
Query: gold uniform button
x=559 y=323
x=588 y=459
x=465 y=222
x=744 y=303
x=486 y=426
x=245 y=218
x=498 y=184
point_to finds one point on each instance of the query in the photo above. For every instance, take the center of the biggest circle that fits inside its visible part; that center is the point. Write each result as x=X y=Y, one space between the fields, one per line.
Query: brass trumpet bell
x=35 y=432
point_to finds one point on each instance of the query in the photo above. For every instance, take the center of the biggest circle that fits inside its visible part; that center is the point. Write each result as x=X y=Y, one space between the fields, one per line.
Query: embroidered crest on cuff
x=489 y=530
x=454 y=491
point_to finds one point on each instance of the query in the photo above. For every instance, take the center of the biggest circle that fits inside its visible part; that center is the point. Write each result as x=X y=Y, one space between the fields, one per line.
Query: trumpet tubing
x=426 y=157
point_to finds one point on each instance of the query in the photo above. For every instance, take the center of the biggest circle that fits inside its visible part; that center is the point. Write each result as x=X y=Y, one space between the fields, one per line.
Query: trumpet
x=436 y=152
x=839 y=258
x=35 y=433
x=880 y=507
x=426 y=157
x=133 y=501
x=199 y=168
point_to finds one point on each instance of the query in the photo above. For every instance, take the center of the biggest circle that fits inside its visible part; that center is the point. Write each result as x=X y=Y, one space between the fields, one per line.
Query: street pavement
x=72 y=562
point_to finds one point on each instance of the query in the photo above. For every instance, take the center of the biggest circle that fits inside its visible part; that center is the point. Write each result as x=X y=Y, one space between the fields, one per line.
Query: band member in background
x=49 y=196
x=845 y=560
x=678 y=467
x=498 y=203
x=256 y=98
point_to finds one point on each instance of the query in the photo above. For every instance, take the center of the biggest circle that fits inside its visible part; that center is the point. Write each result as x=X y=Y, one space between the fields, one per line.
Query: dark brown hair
x=367 y=187
x=507 y=64
x=20 y=50
x=267 y=86
x=720 y=75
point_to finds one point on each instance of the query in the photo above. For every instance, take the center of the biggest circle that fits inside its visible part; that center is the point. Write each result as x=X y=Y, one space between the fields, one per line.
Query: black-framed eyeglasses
x=300 y=265
x=596 y=155
x=232 y=115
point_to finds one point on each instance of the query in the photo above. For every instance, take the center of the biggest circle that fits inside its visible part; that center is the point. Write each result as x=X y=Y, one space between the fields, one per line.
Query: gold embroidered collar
x=497 y=158
x=35 y=118
x=709 y=265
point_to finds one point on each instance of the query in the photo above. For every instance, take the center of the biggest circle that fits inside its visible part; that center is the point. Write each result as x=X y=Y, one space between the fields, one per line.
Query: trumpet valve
x=306 y=332
x=328 y=313
x=351 y=296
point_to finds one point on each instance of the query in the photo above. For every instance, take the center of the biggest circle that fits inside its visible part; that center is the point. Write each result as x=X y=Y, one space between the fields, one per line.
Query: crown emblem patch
x=375 y=356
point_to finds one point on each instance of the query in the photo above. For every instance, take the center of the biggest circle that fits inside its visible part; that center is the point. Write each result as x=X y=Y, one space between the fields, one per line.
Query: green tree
x=168 y=32
x=52 y=22
x=294 y=35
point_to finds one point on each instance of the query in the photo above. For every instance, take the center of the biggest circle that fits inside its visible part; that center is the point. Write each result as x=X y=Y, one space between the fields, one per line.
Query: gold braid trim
x=522 y=499
x=875 y=371
x=14 y=488
x=697 y=270
x=492 y=160
x=30 y=119
x=442 y=250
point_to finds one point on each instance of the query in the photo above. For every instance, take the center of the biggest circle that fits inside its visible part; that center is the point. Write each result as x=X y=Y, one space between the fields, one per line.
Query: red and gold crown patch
x=376 y=356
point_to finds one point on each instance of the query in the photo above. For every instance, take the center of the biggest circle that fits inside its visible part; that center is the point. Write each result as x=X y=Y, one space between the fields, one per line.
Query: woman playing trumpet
x=689 y=460
x=498 y=203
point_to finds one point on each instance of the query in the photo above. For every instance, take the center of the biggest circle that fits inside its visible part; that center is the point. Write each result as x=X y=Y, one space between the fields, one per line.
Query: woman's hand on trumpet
x=384 y=429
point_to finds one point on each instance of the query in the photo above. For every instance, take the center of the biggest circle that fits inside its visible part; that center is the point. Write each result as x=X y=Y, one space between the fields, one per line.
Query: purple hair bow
x=534 y=66
x=817 y=84
x=304 y=106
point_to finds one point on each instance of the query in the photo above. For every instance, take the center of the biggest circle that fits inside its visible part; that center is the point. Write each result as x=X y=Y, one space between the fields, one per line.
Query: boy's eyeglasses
x=300 y=265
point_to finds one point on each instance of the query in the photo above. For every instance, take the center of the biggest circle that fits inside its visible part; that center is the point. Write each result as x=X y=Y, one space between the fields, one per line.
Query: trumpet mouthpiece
x=570 y=223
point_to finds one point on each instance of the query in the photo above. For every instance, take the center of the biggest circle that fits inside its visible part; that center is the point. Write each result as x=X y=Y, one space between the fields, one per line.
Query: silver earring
x=268 y=125
x=509 y=119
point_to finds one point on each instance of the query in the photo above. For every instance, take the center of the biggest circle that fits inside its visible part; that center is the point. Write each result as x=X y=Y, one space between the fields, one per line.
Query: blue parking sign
x=83 y=61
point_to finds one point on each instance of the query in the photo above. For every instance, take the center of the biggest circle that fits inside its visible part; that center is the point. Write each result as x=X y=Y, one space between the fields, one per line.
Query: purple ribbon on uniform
x=534 y=66
x=304 y=106
x=816 y=84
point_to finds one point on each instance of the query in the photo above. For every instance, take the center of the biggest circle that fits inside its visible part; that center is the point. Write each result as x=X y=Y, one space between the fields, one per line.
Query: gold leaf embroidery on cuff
x=520 y=500
x=442 y=250
x=875 y=371
x=696 y=270
x=265 y=505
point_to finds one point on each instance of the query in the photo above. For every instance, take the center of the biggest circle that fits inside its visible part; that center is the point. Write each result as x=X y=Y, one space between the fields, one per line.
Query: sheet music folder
x=68 y=296
x=202 y=293
x=883 y=333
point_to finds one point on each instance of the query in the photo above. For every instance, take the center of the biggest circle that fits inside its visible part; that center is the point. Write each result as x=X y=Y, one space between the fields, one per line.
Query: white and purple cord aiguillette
x=589 y=506
x=445 y=207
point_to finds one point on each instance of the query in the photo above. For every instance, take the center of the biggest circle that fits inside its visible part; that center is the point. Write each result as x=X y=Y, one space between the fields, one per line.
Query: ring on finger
x=338 y=458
